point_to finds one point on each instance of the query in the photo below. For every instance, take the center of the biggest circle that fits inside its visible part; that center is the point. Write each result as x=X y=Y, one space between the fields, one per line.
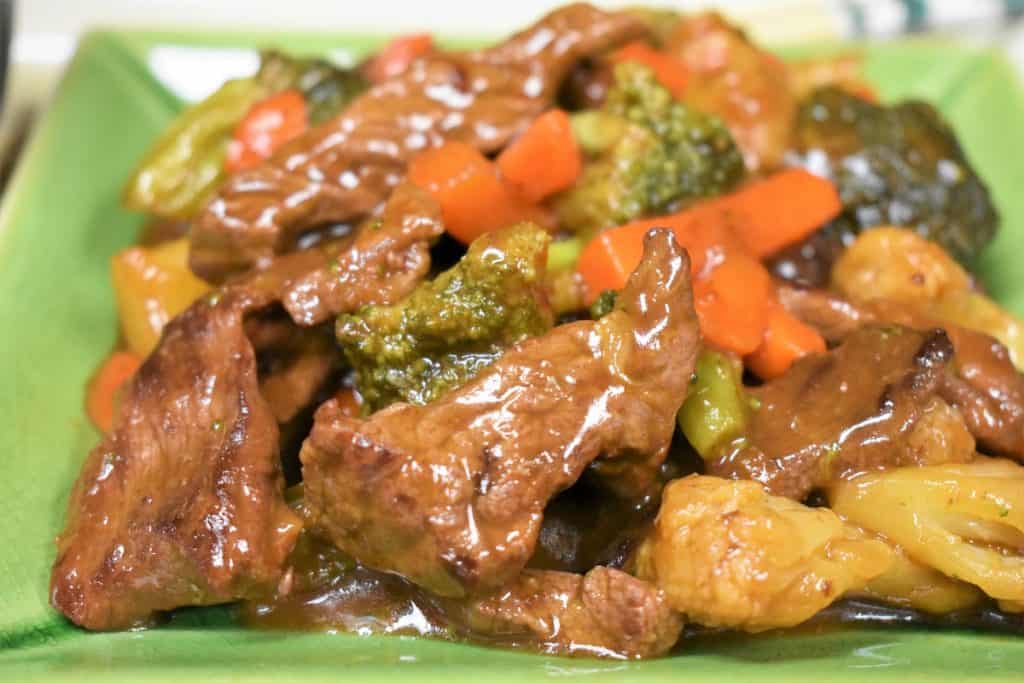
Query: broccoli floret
x=646 y=152
x=326 y=88
x=186 y=163
x=450 y=328
x=604 y=304
x=899 y=165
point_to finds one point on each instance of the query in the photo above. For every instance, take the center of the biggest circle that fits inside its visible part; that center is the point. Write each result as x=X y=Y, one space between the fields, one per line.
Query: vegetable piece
x=604 y=304
x=732 y=303
x=473 y=197
x=912 y=585
x=786 y=340
x=563 y=254
x=269 y=123
x=449 y=329
x=728 y=554
x=670 y=72
x=896 y=264
x=186 y=163
x=564 y=292
x=646 y=152
x=899 y=165
x=543 y=160
x=397 y=55
x=151 y=286
x=732 y=289
x=965 y=520
x=325 y=87
x=716 y=407
x=608 y=259
x=101 y=395
x=781 y=210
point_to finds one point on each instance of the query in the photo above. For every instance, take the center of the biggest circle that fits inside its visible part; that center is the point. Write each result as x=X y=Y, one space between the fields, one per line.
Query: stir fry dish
x=612 y=336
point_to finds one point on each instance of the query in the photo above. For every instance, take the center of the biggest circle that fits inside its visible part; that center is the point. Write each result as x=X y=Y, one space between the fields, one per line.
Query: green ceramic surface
x=59 y=224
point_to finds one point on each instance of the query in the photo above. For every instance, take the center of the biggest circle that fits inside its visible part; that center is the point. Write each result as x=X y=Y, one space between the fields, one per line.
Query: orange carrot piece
x=780 y=210
x=732 y=290
x=473 y=197
x=725 y=238
x=270 y=123
x=543 y=160
x=786 y=340
x=101 y=395
x=397 y=55
x=669 y=71
x=608 y=259
x=732 y=303
x=760 y=219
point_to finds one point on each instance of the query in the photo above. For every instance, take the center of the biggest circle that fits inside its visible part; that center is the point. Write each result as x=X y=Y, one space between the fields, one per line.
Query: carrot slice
x=780 y=210
x=732 y=290
x=609 y=258
x=732 y=303
x=786 y=340
x=473 y=197
x=101 y=395
x=543 y=160
x=725 y=238
x=397 y=55
x=270 y=123
x=669 y=71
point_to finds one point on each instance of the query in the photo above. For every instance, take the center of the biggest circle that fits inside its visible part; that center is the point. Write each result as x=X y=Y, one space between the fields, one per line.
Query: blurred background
x=45 y=32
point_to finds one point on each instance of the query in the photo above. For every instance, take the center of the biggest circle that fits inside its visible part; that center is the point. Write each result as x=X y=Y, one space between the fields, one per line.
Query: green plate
x=59 y=224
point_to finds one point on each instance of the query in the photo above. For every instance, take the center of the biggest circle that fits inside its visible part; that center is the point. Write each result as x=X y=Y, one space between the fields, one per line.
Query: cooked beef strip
x=341 y=170
x=386 y=259
x=181 y=504
x=605 y=613
x=871 y=403
x=833 y=316
x=586 y=86
x=584 y=526
x=293 y=363
x=986 y=387
x=451 y=494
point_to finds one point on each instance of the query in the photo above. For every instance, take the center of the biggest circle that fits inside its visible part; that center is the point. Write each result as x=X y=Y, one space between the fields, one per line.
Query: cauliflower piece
x=908 y=583
x=897 y=264
x=964 y=520
x=728 y=554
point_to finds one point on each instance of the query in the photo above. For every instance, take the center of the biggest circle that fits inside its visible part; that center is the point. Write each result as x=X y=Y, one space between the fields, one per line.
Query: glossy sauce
x=331 y=593
x=334 y=594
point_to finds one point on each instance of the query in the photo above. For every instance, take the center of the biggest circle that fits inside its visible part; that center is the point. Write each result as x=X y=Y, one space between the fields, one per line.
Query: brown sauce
x=334 y=594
